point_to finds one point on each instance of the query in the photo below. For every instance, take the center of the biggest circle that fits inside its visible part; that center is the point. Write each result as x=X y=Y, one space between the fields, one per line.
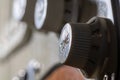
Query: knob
x=52 y=17
x=40 y=14
x=23 y=10
x=18 y=9
x=46 y=15
x=84 y=45
x=56 y=15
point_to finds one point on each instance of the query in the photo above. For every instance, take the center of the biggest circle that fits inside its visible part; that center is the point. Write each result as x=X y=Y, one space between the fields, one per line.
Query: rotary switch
x=85 y=45
x=39 y=13
x=58 y=13
x=25 y=10
x=48 y=14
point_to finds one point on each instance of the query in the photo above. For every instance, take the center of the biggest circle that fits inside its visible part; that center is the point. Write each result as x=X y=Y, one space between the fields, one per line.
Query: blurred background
x=40 y=46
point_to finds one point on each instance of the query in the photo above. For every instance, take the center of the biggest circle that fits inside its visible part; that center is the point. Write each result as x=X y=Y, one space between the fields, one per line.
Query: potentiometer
x=86 y=45
x=48 y=14
x=37 y=13
x=56 y=14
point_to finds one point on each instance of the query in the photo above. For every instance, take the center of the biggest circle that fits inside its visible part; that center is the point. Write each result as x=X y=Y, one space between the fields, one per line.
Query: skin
x=66 y=73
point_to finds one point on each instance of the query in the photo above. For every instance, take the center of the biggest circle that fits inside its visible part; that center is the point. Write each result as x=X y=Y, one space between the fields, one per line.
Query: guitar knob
x=18 y=9
x=57 y=14
x=48 y=14
x=75 y=44
x=84 y=45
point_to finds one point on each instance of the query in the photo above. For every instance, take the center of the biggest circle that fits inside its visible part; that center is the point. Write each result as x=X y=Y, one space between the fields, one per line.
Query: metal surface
x=18 y=9
x=100 y=8
x=58 y=13
x=29 y=73
x=65 y=42
x=40 y=13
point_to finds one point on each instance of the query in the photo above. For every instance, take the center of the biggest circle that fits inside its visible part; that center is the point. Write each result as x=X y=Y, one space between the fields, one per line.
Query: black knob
x=84 y=45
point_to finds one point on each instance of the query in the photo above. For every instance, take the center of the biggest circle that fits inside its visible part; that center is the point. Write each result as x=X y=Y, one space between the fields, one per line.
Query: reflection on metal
x=16 y=78
x=105 y=9
x=83 y=74
x=100 y=8
x=18 y=10
x=33 y=67
x=22 y=74
x=105 y=77
x=29 y=73
x=113 y=76
x=40 y=13
x=65 y=42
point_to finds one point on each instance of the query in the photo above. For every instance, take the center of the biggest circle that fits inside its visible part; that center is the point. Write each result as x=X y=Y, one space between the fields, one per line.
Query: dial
x=65 y=42
x=18 y=10
x=40 y=13
x=74 y=39
x=84 y=45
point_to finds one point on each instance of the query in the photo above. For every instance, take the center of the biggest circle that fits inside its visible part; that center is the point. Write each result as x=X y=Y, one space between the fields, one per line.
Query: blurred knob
x=58 y=13
x=84 y=45
x=23 y=10
x=46 y=15
x=49 y=15
x=39 y=12
x=19 y=9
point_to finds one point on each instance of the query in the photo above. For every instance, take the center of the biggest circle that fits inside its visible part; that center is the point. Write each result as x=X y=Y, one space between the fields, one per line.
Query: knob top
x=65 y=42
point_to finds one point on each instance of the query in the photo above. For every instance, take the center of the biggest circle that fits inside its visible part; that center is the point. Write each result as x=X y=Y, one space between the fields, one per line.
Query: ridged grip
x=80 y=45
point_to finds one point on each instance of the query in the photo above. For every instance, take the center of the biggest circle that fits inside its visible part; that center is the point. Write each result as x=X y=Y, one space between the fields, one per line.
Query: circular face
x=65 y=42
x=40 y=13
x=18 y=10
